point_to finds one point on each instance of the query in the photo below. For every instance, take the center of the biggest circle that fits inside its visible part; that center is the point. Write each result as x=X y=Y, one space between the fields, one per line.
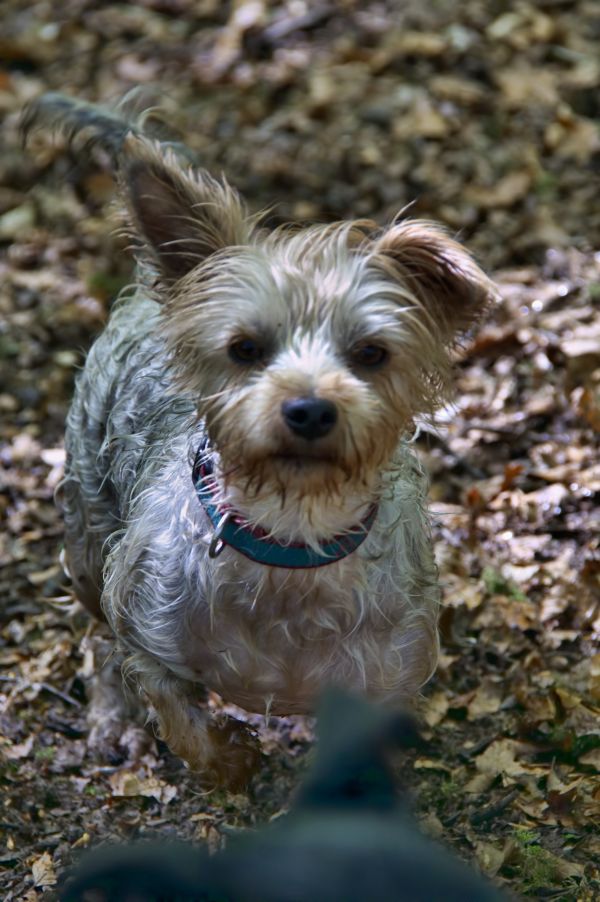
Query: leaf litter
x=484 y=118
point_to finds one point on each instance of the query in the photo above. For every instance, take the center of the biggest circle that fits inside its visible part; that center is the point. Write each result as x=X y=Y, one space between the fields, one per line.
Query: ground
x=482 y=116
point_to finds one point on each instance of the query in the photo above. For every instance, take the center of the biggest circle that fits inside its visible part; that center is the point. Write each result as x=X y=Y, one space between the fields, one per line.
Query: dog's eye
x=246 y=350
x=369 y=355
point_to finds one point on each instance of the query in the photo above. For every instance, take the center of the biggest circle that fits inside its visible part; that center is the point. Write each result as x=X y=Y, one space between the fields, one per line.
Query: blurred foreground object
x=347 y=837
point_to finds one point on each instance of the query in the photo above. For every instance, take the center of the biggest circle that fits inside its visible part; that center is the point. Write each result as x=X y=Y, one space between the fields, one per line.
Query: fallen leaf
x=435 y=708
x=19 y=750
x=490 y=857
x=504 y=193
x=43 y=872
x=128 y=783
x=500 y=758
x=487 y=699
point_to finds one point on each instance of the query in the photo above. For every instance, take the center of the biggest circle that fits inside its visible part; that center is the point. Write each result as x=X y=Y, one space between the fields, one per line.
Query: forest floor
x=484 y=120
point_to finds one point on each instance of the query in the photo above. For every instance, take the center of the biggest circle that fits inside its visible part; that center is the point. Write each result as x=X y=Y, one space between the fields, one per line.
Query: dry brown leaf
x=523 y=85
x=400 y=43
x=245 y=14
x=524 y=547
x=42 y=870
x=422 y=120
x=19 y=750
x=487 y=699
x=569 y=700
x=17 y=223
x=521 y=574
x=504 y=193
x=38 y=669
x=470 y=594
x=490 y=857
x=39 y=577
x=577 y=139
x=435 y=708
x=536 y=810
x=539 y=708
x=587 y=402
x=129 y=783
x=501 y=757
x=460 y=90
x=431 y=764
x=522 y=27
x=479 y=783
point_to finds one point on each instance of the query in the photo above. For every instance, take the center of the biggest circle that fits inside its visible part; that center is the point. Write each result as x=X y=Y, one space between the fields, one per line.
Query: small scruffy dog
x=241 y=501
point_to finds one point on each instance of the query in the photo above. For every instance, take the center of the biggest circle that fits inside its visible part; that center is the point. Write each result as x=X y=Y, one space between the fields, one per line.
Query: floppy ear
x=182 y=215
x=438 y=271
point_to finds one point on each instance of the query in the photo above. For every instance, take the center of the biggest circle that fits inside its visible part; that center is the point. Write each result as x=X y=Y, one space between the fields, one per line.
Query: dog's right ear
x=182 y=215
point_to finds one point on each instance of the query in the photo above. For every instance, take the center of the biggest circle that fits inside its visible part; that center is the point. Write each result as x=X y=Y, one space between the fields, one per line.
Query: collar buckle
x=216 y=543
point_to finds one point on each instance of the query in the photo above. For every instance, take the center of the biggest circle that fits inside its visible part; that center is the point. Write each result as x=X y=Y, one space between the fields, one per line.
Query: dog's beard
x=296 y=498
x=287 y=475
x=305 y=496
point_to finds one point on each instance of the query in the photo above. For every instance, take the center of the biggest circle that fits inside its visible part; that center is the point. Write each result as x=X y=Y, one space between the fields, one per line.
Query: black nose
x=309 y=418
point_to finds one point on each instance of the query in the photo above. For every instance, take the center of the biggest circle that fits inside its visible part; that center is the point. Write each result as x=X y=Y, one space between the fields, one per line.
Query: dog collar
x=254 y=543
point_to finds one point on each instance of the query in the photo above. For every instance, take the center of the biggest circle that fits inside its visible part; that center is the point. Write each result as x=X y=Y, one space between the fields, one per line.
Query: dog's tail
x=78 y=119
x=176 y=214
x=93 y=125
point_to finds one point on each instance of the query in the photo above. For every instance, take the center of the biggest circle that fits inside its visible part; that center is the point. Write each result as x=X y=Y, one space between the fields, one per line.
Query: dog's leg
x=115 y=716
x=222 y=749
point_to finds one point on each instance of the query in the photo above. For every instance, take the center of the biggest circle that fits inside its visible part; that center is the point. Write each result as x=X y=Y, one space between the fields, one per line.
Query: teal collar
x=254 y=543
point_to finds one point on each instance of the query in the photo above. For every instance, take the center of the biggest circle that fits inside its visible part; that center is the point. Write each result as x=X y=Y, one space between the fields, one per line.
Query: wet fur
x=161 y=378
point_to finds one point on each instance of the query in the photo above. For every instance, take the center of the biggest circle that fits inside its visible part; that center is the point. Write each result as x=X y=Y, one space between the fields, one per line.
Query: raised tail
x=94 y=124
x=91 y=124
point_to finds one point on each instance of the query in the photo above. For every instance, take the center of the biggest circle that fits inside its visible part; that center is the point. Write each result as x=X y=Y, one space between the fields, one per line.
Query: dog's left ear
x=438 y=271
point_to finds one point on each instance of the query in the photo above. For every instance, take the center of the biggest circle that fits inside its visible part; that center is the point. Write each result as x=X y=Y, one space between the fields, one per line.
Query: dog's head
x=309 y=352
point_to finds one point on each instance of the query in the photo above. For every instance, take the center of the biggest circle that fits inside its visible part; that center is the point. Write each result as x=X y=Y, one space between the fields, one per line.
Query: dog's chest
x=274 y=642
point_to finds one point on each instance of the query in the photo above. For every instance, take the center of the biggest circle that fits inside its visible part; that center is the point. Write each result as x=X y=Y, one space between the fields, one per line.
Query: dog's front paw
x=118 y=742
x=115 y=715
x=235 y=753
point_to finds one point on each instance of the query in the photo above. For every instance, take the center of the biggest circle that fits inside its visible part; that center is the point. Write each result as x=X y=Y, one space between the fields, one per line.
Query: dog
x=241 y=499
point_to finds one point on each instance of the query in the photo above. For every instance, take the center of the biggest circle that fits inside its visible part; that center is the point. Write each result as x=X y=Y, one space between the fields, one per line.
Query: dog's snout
x=309 y=418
